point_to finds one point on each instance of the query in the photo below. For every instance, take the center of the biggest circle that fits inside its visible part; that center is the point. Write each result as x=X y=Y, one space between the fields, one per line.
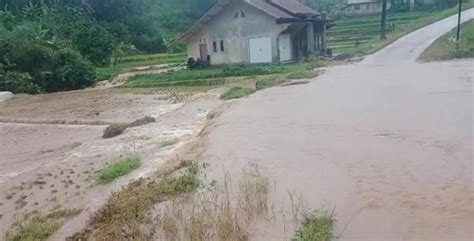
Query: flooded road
x=388 y=145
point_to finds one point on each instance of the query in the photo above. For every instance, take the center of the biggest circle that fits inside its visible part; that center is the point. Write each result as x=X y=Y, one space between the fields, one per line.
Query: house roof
x=350 y=2
x=293 y=6
x=279 y=9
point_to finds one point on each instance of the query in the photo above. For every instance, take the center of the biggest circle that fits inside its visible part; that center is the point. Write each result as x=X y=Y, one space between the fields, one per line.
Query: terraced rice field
x=349 y=32
x=356 y=34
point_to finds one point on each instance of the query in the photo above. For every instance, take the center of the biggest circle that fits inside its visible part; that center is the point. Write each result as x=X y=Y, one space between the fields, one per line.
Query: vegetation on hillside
x=445 y=47
x=53 y=45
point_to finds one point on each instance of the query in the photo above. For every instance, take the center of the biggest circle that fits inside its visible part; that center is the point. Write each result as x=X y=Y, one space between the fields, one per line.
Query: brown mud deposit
x=46 y=165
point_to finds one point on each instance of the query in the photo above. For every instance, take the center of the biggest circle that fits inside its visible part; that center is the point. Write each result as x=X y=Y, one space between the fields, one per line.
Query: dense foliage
x=55 y=45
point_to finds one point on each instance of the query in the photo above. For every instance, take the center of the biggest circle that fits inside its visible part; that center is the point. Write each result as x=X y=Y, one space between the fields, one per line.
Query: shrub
x=236 y=92
x=70 y=72
x=94 y=42
x=114 y=130
x=143 y=121
x=17 y=82
x=316 y=226
x=117 y=129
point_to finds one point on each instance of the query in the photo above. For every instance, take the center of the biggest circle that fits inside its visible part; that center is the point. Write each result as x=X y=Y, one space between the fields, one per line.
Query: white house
x=356 y=7
x=256 y=31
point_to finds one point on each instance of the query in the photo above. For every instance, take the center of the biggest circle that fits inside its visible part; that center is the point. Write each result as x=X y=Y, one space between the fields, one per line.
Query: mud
x=47 y=165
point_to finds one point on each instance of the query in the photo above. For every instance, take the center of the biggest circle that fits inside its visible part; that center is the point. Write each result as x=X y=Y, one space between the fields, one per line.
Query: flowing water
x=386 y=142
x=389 y=147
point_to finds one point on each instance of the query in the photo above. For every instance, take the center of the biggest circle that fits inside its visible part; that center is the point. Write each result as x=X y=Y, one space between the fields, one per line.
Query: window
x=242 y=14
x=236 y=15
x=357 y=7
x=222 y=45
x=214 y=46
x=367 y=6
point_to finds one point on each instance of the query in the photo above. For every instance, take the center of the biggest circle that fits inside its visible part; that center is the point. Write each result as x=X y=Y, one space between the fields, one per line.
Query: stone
x=5 y=96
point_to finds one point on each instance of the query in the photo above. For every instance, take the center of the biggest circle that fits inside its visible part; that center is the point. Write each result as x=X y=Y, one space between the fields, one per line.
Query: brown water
x=389 y=147
x=386 y=142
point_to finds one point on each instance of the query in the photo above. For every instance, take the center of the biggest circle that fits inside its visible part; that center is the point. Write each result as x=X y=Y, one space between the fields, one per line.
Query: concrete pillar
x=323 y=38
x=310 y=38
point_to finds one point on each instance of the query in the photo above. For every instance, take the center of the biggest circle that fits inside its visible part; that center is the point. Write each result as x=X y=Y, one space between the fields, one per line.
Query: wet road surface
x=387 y=142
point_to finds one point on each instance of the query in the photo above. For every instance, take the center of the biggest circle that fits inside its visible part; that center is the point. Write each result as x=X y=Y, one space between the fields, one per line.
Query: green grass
x=154 y=58
x=264 y=82
x=104 y=73
x=316 y=226
x=444 y=48
x=35 y=226
x=360 y=35
x=217 y=75
x=129 y=207
x=118 y=168
x=236 y=92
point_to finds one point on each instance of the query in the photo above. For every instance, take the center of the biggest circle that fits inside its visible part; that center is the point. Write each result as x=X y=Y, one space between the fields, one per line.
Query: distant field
x=220 y=75
x=139 y=60
x=360 y=35
x=445 y=47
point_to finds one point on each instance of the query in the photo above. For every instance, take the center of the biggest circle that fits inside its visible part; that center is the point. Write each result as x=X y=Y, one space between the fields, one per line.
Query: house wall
x=364 y=8
x=235 y=33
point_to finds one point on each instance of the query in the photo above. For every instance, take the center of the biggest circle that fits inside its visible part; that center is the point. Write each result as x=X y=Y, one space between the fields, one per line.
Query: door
x=203 y=51
x=260 y=49
x=284 y=45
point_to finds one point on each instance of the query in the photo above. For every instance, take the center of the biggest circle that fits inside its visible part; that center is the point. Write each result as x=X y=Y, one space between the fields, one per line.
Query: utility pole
x=459 y=24
x=384 y=20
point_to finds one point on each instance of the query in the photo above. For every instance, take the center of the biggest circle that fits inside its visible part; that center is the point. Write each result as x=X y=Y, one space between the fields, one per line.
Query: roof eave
x=206 y=17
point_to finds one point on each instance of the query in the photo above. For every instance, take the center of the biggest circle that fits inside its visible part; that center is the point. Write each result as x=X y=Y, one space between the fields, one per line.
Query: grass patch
x=35 y=226
x=316 y=226
x=219 y=214
x=264 y=82
x=302 y=74
x=217 y=75
x=444 y=48
x=104 y=73
x=117 y=129
x=119 y=168
x=236 y=92
x=126 y=210
x=360 y=35
x=223 y=75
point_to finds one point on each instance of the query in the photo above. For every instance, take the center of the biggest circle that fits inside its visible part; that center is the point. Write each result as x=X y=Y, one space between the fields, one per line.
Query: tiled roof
x=270 y=9
x=293 y=6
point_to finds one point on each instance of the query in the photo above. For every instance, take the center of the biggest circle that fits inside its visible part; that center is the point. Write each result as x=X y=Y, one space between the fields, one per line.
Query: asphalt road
x=387 y=142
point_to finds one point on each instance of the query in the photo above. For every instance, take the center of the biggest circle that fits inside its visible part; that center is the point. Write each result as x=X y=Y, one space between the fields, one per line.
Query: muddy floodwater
x=389 y=148
x=386 y=142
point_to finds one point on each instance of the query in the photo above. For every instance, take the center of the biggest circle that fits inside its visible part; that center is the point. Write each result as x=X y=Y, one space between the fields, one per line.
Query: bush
x=70 y=72
x=17 y=82
x=94 y=42
x=150 y=42
x=114 y=130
